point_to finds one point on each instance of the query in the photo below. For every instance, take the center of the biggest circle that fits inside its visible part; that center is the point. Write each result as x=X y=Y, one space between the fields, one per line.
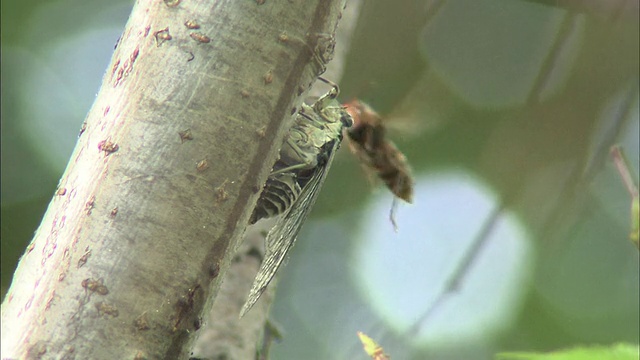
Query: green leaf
x=614 y=352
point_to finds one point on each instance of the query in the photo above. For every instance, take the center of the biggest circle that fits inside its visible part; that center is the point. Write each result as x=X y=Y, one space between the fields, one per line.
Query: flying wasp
x=368 y=142
x=295 y=180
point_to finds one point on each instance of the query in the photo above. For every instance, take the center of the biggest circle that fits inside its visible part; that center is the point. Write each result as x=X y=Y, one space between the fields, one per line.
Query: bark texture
x=153 y=204
x=223 y=334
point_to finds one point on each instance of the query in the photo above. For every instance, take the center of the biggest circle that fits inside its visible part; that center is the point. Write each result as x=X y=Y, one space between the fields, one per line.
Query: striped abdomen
x=279 y=193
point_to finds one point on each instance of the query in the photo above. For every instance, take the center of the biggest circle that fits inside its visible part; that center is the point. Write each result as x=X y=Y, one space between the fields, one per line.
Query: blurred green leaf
x=616 y=352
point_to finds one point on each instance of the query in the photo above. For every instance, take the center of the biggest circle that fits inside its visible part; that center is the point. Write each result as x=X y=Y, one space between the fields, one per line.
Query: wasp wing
x=283 y=235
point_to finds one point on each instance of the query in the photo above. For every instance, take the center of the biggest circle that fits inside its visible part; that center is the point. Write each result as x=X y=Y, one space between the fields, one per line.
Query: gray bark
x=159 y=188
x=222 y=334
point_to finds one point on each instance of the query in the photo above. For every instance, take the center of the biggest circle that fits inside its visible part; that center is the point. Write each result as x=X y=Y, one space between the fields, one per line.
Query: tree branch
x=611 y=10
x=156 y=196
x=216 y=340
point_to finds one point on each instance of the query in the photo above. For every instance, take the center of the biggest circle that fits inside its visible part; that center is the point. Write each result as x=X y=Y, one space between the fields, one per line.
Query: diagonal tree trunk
x=157 y=194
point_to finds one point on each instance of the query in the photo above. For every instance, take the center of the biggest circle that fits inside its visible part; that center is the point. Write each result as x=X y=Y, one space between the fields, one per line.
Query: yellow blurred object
x=372 y=348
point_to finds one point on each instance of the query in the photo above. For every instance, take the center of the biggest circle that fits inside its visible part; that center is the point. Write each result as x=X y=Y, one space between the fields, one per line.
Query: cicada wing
x=283 y=235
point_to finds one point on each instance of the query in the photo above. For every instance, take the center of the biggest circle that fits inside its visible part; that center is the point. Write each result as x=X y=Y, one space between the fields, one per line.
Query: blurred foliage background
x=518 y=238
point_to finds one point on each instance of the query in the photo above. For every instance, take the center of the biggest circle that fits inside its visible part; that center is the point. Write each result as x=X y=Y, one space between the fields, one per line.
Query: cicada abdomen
x=278 y=194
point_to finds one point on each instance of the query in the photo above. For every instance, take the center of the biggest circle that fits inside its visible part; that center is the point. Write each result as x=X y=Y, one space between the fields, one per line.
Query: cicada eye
x=346 y=119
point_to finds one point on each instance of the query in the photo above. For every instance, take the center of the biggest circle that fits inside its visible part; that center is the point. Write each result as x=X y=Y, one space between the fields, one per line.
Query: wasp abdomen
x=368 y=141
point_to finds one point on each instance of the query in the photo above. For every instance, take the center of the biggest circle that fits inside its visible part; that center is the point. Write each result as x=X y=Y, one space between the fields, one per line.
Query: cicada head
x=335 y=117
x=346 y=119
x=334 y=112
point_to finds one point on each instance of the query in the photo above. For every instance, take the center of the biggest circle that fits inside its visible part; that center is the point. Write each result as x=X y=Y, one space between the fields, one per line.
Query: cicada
x=368 y=141
x=295 y=181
